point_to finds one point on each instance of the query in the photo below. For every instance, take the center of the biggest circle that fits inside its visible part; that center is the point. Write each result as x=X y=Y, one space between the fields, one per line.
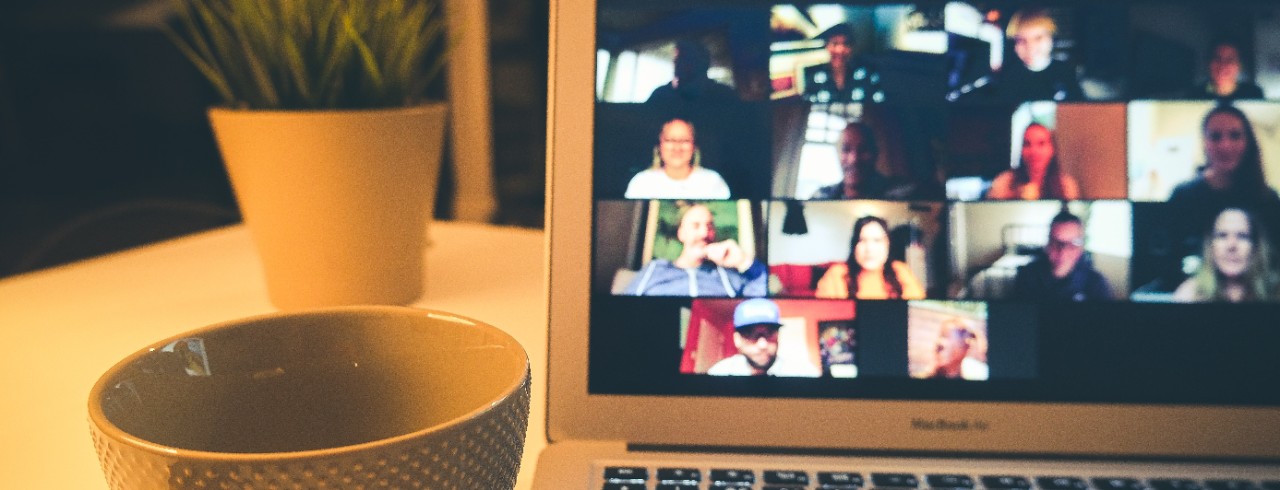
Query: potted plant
x=332 y=152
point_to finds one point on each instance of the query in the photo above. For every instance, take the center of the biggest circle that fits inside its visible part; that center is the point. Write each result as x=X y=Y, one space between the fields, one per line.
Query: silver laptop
x=966 y=245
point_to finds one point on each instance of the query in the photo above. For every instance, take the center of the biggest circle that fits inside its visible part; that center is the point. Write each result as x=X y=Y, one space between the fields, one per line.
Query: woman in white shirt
x=677 y=172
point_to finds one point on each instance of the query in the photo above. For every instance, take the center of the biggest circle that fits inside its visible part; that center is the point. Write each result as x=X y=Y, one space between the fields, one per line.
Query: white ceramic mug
x=351 y=397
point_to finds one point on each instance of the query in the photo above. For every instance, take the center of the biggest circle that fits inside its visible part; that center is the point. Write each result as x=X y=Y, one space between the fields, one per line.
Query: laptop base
x=611 y=466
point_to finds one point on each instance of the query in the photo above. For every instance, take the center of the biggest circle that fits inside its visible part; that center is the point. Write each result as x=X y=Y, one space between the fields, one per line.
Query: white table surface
x=61 y=328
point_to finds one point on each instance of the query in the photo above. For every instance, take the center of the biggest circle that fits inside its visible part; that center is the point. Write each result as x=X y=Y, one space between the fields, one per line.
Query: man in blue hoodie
x=705 y=267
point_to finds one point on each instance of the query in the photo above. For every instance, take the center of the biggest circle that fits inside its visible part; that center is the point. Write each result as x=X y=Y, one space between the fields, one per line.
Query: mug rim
x=110 y=430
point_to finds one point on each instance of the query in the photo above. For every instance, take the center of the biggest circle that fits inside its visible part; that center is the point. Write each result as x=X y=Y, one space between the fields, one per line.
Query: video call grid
x=818 y=116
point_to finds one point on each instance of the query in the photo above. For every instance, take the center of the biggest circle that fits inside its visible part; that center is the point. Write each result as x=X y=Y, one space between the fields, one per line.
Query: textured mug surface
x=354 y=398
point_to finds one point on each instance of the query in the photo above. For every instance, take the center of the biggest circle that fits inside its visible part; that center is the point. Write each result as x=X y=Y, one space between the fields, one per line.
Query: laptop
x=966 y=245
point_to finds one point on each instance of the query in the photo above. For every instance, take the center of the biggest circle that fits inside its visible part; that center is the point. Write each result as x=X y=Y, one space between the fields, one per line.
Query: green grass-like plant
x=313 y=54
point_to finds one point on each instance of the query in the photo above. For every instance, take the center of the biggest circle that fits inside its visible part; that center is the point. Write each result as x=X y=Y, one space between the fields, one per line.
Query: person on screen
x=689 y=82
x=756 y=323
x=1225 y=80
x=1036 y=75
x=1039 y=174
x=677 y=172
x=1063 y=272
x=1235 y=265
x=1232 y=176
x=844 y=78
x=858 y=153
x=868 y=273
x=704 y=268
x=952 y=361
x=1232 y=173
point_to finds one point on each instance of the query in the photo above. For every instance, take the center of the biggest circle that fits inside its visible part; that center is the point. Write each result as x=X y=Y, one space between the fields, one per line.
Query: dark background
x=1110 y=352
x=104 y=143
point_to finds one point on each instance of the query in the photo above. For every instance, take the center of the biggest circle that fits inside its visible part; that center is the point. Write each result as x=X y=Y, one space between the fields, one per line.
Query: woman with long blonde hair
x=1236 y=264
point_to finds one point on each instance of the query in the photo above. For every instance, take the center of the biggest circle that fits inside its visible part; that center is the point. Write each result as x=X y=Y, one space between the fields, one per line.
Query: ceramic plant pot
x=337 y=202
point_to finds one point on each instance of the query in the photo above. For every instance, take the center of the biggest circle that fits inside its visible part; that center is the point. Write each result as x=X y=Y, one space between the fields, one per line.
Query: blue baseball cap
x=756 y=311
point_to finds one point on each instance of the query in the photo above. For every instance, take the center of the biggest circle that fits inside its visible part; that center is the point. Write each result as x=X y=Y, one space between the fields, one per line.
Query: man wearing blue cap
x=755 y=334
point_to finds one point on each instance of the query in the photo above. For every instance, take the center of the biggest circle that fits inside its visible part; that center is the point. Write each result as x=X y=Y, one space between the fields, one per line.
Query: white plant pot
x=337 y=202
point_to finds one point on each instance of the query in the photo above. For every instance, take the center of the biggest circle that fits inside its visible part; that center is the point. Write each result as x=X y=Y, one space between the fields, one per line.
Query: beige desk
x=61 y=328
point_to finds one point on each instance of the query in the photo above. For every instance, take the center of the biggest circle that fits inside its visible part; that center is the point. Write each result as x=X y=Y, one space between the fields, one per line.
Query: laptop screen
x=981 y=200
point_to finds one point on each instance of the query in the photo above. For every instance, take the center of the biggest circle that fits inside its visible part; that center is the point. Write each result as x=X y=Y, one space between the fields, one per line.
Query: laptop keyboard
x=643 y=478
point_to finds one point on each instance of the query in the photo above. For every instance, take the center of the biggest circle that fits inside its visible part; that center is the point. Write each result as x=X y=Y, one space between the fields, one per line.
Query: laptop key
x=1231 y=485
x=839 y=479
x=1175 y=484
x=899 y=480
x=677 y=486
x=949 y=481
x=1006 y=483
x=775 y=477
x=626 y=474
x=1118 y=484
x=678 y=475
x=1062 y=483
x=730 y=478
x=782 y=487
x=625 y=486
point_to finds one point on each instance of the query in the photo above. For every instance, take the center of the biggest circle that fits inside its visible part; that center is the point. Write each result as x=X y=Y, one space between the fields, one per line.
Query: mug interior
x=309 y=381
